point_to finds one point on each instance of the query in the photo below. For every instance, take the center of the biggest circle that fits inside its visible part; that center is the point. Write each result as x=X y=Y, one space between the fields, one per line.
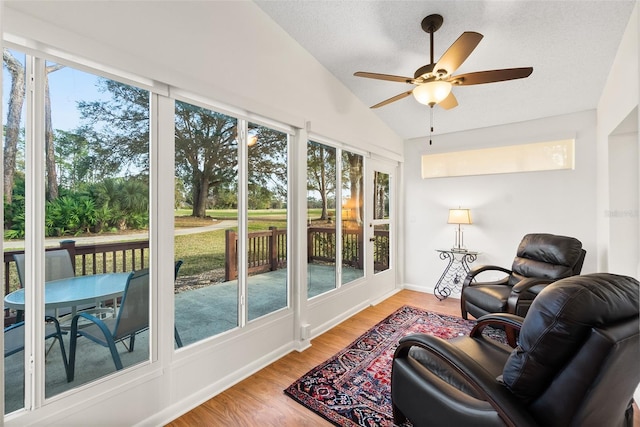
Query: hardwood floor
x=260 y=400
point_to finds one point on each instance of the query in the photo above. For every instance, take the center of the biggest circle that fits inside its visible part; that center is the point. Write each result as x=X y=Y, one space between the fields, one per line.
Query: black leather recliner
x=541 y=259
x=576 y=363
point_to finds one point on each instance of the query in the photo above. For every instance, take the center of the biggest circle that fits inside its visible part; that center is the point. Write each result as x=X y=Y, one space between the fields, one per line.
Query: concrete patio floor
x=200 y=313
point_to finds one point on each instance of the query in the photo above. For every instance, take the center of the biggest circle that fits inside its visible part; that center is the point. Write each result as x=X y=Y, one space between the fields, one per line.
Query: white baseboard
x=315 y=332
x=201 y=396
x=425 y=289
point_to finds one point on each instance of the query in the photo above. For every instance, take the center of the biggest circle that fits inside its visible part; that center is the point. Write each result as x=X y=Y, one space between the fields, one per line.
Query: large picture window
x=206 y=219
x=267 y=243
x=211 y=287
x=321 y=220
x=88 y=141
x=352 y=217
x=334 y=174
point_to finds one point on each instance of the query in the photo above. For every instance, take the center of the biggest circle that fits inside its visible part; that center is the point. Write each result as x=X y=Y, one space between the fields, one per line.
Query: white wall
x=623 y=253
x=504 y=207
x=620 y=97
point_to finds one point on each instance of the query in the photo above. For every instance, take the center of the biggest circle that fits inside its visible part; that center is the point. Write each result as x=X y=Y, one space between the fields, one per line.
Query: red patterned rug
x=353 y=388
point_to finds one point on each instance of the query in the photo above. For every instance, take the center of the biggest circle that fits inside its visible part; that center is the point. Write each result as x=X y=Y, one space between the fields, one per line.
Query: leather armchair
x=576 y=363
x=541 y=259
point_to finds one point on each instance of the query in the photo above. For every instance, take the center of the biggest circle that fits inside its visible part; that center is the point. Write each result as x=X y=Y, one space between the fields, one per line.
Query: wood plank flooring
x=260 y=401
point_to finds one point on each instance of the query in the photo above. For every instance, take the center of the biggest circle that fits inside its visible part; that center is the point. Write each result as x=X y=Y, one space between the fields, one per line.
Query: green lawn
x=205 y=251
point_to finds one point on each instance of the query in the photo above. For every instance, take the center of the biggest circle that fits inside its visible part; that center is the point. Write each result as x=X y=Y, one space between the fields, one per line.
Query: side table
x=455 y=272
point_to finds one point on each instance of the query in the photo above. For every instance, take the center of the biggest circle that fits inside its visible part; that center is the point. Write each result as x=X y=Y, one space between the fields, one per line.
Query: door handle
x=372 y=239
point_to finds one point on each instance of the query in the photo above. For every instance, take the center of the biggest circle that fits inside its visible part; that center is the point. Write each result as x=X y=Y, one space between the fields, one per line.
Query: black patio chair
x=132 y=318
x=58 y=265
x=175 y=328
x=14 y=338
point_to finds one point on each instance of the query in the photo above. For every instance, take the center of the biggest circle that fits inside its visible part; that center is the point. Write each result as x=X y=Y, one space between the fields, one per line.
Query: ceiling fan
x=435 y=80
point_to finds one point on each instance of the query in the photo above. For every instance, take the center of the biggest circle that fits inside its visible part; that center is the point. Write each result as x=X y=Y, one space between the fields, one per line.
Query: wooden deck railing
x=86 y=260
x=267 y=250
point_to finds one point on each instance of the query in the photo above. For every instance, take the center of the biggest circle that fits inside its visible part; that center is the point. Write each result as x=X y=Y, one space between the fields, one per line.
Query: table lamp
x=459 y=216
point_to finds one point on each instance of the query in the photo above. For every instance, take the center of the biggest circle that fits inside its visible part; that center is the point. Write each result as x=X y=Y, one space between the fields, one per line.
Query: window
x=13 y=105
x=206 y=220
x=267 y=254
x=89 y=142
x=352 y=217
x=381 y=192
x=321 y=221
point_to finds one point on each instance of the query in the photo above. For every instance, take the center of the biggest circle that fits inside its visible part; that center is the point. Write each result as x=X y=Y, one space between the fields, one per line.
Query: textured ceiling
x=570 y=45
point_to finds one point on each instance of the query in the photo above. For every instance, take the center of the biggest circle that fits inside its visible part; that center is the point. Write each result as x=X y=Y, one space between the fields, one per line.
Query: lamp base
x=459 y=242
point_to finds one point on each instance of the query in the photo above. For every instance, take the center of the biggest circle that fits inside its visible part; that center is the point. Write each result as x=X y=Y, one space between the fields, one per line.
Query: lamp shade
x=430 y=93
x=459 y=216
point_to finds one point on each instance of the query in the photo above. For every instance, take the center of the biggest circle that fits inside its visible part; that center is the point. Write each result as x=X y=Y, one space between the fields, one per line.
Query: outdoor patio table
x=75 y=291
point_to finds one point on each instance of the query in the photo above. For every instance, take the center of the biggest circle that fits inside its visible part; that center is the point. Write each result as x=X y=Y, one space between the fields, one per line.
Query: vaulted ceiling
x=570 y=45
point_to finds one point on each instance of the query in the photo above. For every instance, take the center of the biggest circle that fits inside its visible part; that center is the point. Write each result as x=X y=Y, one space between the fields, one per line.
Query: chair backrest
x=57 y=265
x=177 y=268
x=133 y=314
x=577 y=359
x=547 y=256
x=13 y=338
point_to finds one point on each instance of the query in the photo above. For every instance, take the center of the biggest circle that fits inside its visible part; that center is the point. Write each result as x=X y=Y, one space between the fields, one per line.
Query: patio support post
x=273 y=248
x=230 y=255
x=360 y=248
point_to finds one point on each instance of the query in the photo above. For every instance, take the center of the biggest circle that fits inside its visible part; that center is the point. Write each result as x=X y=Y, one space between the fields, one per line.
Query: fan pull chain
x=431 y=124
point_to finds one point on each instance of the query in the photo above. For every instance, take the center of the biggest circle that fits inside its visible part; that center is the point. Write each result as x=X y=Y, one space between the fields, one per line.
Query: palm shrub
x=70 y=214
x=122 y=203
x=110 y=205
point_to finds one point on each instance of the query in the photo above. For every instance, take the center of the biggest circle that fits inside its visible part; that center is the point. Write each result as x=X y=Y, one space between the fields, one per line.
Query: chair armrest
x=504 y=320
x=510 y=409
x=520 y=289
x=56 y=324
x=74 y=324
x=481 y=268
x=529 y=282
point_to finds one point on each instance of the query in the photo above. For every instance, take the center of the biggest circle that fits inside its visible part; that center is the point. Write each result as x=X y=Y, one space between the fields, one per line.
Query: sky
x=67 y=87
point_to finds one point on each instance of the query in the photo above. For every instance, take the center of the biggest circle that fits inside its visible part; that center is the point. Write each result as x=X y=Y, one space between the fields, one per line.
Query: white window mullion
x=34 y=232
x=161 y=224
x=154 y=212
x=297 y=237
x=243 y=177
x=338 y=217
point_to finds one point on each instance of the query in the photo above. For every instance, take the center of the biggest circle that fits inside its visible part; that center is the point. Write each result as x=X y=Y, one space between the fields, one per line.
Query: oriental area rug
x=353 y=388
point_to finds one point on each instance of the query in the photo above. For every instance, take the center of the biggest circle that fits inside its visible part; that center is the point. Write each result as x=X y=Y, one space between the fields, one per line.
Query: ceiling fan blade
x=449 y=102
x=392 y=99
x=491 y=76
x=458 y=52
x=388 y=77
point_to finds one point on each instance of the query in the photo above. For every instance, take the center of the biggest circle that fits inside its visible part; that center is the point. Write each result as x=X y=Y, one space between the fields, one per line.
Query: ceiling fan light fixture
x=433 y=92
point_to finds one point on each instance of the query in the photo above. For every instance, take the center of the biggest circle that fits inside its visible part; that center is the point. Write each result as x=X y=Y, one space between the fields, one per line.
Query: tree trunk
x=14 y=113
x=355 y=184
x=52 y=174
x=323 y=185
x=200 y=193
